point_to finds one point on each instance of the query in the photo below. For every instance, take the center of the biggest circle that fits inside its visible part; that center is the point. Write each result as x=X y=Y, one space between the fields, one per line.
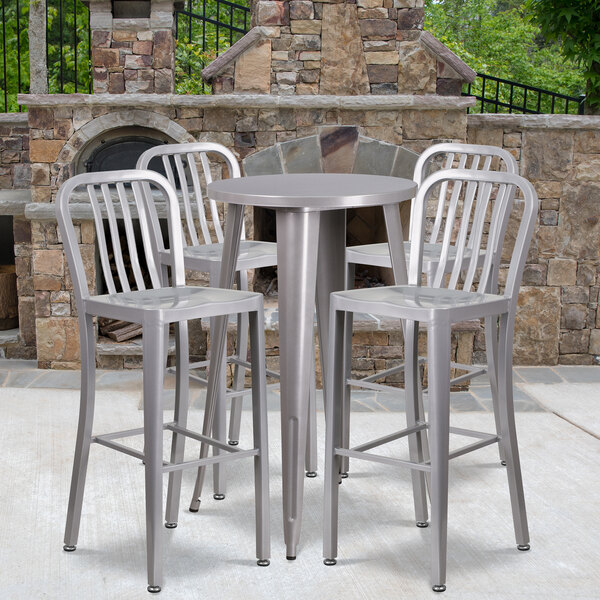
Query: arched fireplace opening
x=120 y=148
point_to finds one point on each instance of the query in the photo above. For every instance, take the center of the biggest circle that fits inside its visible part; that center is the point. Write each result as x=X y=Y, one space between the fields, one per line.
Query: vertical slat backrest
x=130 y=237
x=189 y=183
x=187 y=219
x=105 y=192
x=486 y=184
x=460 y=156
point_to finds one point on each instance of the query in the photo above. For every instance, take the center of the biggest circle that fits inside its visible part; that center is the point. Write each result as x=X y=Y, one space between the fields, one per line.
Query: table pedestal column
x=297 y=249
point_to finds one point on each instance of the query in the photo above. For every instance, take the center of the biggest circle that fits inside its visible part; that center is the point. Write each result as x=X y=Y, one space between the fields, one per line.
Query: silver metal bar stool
x=144 y=296
x=439 y=156
x=467 y=290
x=189 y=168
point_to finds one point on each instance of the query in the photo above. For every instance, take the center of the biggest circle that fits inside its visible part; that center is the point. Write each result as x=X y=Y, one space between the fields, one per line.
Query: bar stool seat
x=253 y=255
x=418 y=303
x=378 y=255
x=168 y=304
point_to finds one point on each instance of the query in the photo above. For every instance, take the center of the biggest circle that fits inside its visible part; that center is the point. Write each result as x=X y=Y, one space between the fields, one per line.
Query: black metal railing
x=205 y=29
x=497 y=95
x=68 y=49
x=14 y=53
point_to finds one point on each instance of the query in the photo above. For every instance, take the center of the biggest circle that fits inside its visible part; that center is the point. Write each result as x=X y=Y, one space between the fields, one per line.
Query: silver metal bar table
x=311 y=241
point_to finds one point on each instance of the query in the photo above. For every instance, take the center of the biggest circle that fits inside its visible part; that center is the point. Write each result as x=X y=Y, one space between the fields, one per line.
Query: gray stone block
x=404 y=164
x=374 y=157
x=265 y=162
x=384 y=89
x=302 y=156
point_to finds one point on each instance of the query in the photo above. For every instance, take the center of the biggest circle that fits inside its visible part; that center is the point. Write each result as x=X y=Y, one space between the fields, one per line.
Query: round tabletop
x=313 y=191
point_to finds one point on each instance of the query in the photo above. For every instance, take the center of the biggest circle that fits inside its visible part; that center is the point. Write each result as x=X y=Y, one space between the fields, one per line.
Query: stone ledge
x=9 y=336
x=443 y=53
x=13 y=118
x=108 y=347
x=46 y=211
x=400 y=101
x=535 y=121
x=255 y=35
x=13 y=202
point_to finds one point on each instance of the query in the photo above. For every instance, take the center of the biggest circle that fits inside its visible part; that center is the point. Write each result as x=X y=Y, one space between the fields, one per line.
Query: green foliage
x=190 y=59
x=201 y=41
x=575 y=25
x=495 y=37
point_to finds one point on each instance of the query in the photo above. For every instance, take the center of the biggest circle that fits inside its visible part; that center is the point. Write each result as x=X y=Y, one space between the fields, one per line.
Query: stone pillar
x=133 y=55
x=38 y=68
x=346 y=47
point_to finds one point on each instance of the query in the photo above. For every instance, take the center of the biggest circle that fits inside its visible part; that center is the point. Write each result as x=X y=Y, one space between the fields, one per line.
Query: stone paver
x=69 y=380
x=537 y=375
x=21 y=373
x=21 y=379
x=578 y=374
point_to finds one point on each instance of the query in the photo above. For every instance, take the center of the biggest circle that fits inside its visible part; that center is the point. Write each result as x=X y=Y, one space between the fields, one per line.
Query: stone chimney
x=341 y=47
x=133 y=46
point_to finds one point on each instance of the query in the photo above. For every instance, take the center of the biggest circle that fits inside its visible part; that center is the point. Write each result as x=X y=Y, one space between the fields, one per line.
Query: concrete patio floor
x=381 y=553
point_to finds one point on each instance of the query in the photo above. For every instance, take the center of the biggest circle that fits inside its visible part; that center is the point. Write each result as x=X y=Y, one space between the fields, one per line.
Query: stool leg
x=347 y=393
x=84 y=430
x=509 y=433
x=154 y=351
x=182 y=389
x=333 y=435
x=345 y=461
x=413 y=414
x=219 y=430
x=207 y=429
x=310 y=457
x=491 y=350
x=259 y=428
x=233 y=230
x=220 y=433
x=239 y=372
x=438 y=353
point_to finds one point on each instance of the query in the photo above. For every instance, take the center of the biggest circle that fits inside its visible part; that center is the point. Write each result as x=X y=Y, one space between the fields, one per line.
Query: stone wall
x=558 y=320
x=15 y=173
x=15 y=182
x=62 y=126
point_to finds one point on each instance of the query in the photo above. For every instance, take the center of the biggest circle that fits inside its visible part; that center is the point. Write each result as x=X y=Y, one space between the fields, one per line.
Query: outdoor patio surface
x=381 y=553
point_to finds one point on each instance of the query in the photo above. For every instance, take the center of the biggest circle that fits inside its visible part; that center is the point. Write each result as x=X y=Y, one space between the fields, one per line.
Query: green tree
x=575 y=24
x=496 y=37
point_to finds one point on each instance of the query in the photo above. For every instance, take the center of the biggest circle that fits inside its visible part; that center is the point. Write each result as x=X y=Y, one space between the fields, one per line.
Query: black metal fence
x=204 y=29
x=496 y=95
x=14 y=53
x=68 y=49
